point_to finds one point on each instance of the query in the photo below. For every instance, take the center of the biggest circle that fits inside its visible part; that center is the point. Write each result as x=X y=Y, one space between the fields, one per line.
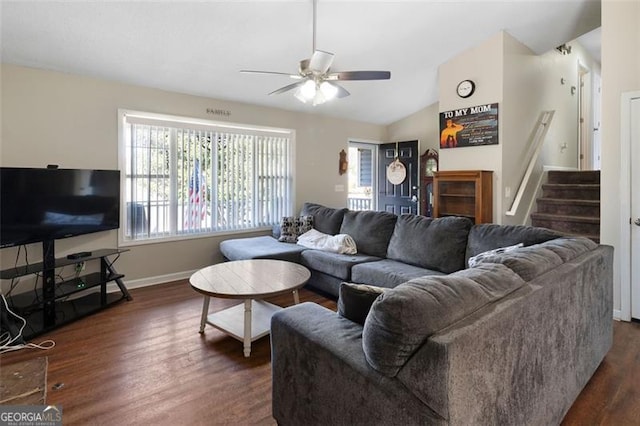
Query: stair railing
x=536 y=142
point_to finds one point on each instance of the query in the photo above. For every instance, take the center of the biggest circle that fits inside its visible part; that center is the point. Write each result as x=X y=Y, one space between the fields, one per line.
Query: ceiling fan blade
x=288 y=87
x=360 y=75
x=320 y=62
x=295 y=76
x=342 y=92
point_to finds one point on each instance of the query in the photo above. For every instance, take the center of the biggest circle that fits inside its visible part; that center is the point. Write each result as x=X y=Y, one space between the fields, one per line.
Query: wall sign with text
x=473 y=126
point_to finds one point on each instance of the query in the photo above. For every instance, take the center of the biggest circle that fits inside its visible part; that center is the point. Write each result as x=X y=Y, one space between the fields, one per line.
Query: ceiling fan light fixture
x=329 y=91
x=307 y=91
x=316 y=93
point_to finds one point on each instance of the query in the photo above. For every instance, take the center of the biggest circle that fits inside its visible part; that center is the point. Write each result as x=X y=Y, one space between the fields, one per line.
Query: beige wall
x=422 y=125
x=533 y=84
x=620 y=73
x=55 y=118
x=484 y=65
x=524 y=84
x=522 y=81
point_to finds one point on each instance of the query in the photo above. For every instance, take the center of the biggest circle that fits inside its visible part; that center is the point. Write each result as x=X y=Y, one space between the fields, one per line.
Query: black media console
x=61 y=300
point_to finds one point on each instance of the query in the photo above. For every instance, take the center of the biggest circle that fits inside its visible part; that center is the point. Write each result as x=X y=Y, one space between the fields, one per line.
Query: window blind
x=185 y=178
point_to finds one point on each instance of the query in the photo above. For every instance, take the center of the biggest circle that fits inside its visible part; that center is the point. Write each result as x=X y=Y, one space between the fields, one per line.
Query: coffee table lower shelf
x=245 y=325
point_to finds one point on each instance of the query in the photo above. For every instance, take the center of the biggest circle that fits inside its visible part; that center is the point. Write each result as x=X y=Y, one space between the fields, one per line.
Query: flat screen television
x=49 y=204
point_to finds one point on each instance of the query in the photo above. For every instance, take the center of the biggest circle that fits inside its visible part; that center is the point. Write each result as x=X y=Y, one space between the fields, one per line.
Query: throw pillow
x=305 y=224
x=355 y=301
x=292 y=227
x=288 y=230
x=477 y=259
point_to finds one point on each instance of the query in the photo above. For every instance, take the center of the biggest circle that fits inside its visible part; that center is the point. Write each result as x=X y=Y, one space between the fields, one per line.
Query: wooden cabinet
x=466 y=193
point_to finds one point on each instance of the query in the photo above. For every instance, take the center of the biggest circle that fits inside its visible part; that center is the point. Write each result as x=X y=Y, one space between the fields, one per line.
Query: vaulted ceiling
x=199 y=47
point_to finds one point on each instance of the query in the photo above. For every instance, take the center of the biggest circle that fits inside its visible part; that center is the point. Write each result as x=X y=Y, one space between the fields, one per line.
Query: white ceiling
x=198 y=47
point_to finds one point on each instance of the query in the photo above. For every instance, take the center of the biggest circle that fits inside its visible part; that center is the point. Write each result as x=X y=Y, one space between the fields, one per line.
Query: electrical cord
x=10 y=343
x=15 y=280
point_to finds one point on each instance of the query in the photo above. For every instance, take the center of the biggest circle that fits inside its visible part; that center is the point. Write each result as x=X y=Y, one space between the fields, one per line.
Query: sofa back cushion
x=371 y=230
x=402 y=318
x=486 y=236
x=437 y=244
x=325 y=219
x=532 y=261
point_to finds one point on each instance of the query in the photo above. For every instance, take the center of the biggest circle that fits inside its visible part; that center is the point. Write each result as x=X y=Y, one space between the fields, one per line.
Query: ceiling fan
x=316 y=82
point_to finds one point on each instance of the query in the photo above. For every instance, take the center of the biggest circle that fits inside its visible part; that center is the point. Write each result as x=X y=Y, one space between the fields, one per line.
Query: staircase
x=570 y=203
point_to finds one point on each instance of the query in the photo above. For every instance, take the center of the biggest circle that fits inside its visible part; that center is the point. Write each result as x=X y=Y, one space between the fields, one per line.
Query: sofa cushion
x=437 y=244
x=334 y=264
x=265 y=247
x=388 y=273
x=325 y=219
x=532 y=261
x=371 y=230
x=486 y=236
x=570 y=247
x=402 y=318
x=355 y=300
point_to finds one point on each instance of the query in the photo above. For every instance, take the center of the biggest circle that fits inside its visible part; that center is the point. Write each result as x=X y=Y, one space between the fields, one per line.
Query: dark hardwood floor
x=144 y=362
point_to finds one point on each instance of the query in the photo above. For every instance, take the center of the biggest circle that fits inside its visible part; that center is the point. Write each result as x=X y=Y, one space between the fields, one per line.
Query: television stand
x=63 y=300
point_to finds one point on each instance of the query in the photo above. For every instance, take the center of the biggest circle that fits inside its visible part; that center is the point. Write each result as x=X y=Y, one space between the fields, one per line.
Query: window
x=365 y=162
x=188 y=177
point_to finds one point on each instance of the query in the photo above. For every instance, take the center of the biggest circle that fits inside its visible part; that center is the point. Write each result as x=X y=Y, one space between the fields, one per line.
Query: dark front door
x=401 y=197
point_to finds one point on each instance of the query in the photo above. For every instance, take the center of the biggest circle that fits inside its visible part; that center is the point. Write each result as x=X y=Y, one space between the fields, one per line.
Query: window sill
x=125 y=243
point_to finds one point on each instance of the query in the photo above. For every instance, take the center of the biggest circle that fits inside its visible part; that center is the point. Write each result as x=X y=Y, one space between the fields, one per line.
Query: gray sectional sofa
x=511 y=340
x=391 y=249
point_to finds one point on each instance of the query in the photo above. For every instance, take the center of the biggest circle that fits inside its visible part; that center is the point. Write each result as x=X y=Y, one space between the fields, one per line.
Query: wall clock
x=430 y=163
x=466 y=88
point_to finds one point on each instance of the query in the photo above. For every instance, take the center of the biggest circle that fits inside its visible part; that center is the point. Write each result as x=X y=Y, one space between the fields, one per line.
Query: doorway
x=362 y=179
x=635 y=206
x=630 y=206
x=584 y=123
x=589 y=108
x=398 y=194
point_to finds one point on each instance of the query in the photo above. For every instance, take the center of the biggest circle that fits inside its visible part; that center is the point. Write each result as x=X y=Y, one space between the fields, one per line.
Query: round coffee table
x=250 y=280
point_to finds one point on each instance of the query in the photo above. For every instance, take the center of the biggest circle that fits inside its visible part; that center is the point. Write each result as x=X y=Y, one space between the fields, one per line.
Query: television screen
x=49 y=204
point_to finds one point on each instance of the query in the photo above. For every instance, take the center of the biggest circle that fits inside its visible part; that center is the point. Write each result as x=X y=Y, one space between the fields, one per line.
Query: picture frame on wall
x=472 y=126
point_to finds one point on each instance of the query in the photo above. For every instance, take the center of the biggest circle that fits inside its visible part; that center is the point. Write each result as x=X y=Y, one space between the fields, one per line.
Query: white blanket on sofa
x=340 y=243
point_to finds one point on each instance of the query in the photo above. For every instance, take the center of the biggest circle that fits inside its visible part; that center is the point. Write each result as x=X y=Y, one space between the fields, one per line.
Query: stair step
x=566 y=218
x=569 y=207
x=571 y=191
x=576 y=225
x=574 y=176
x=570 y=203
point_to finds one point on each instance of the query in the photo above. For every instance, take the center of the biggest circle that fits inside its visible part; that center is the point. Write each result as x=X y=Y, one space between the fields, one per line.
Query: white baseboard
x=149 y=281
x=617 y=314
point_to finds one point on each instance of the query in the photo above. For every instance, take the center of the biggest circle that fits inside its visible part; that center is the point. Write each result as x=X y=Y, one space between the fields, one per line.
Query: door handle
x=637 y=222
